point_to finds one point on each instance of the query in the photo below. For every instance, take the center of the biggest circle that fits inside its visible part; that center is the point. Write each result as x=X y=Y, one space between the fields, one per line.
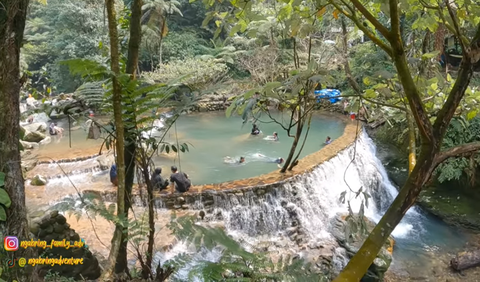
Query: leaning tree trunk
x=12 y=24
x=427 y=161
x=130 y=148
x=120 y=160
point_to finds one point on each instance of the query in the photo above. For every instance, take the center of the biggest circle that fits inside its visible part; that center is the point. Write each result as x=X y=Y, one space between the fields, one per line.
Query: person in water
x=180 y=180
x=273 y=137
x=113 y=175
x=157 y=180
x=230 y=160
x=255 y=130
x=328 y=140
x=53 y=129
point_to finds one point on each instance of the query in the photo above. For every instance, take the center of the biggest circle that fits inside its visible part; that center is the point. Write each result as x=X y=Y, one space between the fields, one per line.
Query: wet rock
x=37 y=126
x=38 y=180
x=352 y=243
x=34 y=136
x=105 y=162
x=30 y=164
x=46 y=140
x=181 y=200
x=29 y=145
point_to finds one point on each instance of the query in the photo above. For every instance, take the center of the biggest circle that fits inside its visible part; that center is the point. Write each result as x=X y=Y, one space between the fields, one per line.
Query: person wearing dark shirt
x=255 y=130
x=113 y=175
x=180 y=180
x=157 y=180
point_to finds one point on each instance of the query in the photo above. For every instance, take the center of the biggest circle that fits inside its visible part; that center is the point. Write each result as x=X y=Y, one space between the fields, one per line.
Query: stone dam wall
x=202 y=197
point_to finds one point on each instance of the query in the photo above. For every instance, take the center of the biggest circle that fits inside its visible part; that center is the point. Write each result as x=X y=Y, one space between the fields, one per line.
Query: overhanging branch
x=457 y=151
x=365 y=30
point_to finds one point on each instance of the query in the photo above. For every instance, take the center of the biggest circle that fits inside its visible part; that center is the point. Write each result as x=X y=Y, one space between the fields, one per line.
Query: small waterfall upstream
x=313 y=198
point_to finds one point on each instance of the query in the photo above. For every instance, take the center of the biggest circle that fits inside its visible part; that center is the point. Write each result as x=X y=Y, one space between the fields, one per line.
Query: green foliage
x=61 y=30
x=460 y=131
x=194 y=72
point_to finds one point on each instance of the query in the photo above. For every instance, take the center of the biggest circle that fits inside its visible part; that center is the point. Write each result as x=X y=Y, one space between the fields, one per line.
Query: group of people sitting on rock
x=179 y=180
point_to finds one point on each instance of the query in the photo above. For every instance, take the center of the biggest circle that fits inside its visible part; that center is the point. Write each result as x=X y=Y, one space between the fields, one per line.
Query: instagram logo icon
x=10 y=243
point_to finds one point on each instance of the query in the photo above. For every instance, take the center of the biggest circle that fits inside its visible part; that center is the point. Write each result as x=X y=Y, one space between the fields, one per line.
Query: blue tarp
x=328 y=93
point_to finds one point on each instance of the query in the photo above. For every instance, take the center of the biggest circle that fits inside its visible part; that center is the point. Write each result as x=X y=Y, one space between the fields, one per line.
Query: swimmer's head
x=174 y=169
x=158 y=170
x=328 y=138
x=242 y=159
x=280 y=160
x=29 y=96
x=275 y=134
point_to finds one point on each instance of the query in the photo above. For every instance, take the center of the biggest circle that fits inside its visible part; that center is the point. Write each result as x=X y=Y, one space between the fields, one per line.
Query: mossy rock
x=452 y=206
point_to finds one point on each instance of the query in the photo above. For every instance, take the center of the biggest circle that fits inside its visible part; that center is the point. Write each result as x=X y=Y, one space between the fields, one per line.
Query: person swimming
x=273 y=137
x=278 y=161
x=255 y=130
x=328 y=140
x=230 y=160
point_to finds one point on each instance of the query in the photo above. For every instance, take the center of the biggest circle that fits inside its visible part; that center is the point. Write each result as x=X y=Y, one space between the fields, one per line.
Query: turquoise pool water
x=215 y=137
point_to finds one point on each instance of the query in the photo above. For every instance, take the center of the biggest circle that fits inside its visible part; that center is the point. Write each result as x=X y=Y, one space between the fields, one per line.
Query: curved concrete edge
x=259 y=185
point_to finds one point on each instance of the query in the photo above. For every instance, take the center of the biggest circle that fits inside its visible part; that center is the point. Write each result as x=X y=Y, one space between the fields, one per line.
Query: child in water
x=273 y=137
x=328 y=140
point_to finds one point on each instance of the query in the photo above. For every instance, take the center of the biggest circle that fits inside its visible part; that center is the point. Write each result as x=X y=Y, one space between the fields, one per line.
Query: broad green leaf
x=434 y=86
x=449 y=78
x=4 y=198
x=228 y=112
x=366 y=81
x=430 y=55
x=3 y=214
x=472 y=114
x=370 y=93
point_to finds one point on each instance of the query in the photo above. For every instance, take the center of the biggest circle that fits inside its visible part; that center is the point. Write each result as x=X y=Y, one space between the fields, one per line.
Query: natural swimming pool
x=211 y=138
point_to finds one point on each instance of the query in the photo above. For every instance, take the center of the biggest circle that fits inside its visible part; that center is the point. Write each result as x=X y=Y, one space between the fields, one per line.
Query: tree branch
x=456 y=152
x=458 y=91
x=365 y=30
x=395 y=20
x=456 y=27
x=380 y=27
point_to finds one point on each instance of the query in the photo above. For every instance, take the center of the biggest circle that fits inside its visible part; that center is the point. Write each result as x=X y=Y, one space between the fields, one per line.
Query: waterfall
x=312 y=199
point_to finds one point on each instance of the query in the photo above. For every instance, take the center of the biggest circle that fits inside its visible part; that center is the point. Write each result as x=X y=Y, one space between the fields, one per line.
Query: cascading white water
x=313 y=199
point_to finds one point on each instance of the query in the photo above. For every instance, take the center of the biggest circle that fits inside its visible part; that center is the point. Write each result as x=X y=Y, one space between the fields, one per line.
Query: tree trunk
x=147 y=268
x=295 y=160
x=362 y=260
x=431 y=136
x=120 y=160
x=129 y=132
x=466 y=260
x=160 y=51
x=412 y=159
x=298 y=133
x=12 y=24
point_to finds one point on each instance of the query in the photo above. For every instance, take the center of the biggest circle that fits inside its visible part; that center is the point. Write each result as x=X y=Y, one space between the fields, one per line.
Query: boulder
x=45 y=140
x=37 y=126
x=352 y=240
x=29 y=145
x=22 y=132
x=28 y=165
x=38 y=180
x=105 y=162
x=53 y=226
x=41 y=118
x=34 y=136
